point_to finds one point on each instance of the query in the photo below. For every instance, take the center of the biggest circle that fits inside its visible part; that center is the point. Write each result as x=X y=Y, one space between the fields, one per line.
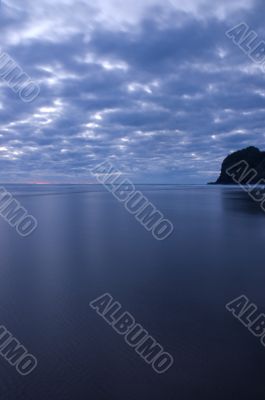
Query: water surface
x=87 y=244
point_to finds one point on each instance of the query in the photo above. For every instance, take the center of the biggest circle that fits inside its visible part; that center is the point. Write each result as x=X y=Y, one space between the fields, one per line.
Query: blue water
x=87 y=244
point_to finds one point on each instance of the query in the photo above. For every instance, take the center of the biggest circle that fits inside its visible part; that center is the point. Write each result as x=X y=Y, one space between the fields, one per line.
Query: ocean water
x=87 y=244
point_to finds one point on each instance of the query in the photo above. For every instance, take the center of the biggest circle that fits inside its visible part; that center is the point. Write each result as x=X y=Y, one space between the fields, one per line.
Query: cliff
x=252 y=156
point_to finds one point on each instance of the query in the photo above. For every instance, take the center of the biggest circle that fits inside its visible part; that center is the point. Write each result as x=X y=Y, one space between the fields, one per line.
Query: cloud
x=155 y=86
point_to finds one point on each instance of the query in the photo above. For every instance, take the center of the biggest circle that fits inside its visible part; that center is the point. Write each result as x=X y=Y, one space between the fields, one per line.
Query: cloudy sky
x=153 y=85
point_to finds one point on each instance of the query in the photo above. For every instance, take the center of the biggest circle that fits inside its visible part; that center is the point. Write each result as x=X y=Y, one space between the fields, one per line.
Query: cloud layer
x=156 y=86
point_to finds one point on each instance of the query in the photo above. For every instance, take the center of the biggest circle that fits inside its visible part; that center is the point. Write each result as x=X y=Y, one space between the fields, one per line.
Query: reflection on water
x=238 y=200
x=87 y=244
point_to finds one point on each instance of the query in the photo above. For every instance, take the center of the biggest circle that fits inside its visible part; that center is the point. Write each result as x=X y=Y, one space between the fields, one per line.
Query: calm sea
x=87 y=244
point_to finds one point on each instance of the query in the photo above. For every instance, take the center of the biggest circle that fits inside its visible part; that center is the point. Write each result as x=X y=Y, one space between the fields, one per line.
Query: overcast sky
x=153 y=85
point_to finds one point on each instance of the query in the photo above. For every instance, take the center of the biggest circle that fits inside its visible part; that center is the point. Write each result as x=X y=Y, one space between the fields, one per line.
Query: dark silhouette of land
x=252 y=156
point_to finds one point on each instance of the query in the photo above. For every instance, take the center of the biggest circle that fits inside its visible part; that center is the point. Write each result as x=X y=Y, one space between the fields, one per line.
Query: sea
x=87 y=244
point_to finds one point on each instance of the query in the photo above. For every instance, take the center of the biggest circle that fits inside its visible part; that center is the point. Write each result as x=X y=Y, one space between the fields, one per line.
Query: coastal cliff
x=252 y=156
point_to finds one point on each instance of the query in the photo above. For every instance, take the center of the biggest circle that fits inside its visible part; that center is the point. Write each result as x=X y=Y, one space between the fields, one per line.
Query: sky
x=154 y=86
